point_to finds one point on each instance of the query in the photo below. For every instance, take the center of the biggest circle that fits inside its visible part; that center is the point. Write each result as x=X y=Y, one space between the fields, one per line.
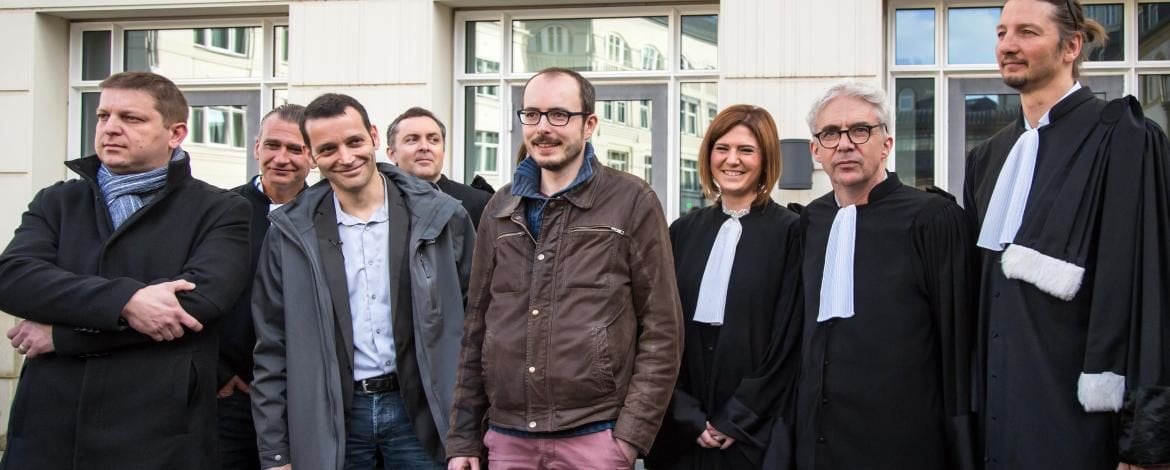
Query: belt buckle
x=366 y=386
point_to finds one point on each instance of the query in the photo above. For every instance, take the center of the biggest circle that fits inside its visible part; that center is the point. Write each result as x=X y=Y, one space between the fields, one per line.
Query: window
x=232 y=70
x=616 y=49
x=652 y=59
x=690 y=116
x=618 y=160
x=627 y=58
x=712 y=111
x=487 y=146
x=690 y=175
x=234 y=40
x=949 y=45
x=554 y=40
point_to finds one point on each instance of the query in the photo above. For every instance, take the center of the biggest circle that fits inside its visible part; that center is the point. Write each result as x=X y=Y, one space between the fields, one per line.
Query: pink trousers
x=596 y=451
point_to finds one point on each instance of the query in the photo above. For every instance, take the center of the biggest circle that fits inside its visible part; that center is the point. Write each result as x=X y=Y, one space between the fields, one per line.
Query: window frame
x=672 y=76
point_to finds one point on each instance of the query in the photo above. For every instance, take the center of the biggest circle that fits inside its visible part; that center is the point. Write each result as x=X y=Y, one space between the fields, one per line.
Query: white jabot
x=713 y=288
x=837 y=280
x=1005 y=211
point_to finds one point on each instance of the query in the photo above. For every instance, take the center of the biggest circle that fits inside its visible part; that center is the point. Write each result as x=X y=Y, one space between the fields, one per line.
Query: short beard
x=1019 y=84
x=571 y=155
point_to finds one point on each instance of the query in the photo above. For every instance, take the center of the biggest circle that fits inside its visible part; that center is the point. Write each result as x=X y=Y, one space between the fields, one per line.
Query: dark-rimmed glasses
x=831 y=138
x=555 y=117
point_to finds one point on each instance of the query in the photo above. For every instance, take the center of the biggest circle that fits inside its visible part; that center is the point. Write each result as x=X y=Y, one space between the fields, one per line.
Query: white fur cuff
x=1056 y=277
x=1101 y=392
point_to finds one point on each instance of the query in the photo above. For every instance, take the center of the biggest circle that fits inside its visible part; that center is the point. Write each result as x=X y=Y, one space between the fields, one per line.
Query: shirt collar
x=380 y=215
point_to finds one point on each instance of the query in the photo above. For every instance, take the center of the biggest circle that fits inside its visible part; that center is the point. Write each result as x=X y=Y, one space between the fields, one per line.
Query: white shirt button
x=532 y=424
x=276 y=458
x=535 y=312
x=531 y=369
x=540 y=257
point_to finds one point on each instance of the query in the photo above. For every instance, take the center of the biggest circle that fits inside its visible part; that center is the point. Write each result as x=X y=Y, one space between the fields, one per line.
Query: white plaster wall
x=783 y=54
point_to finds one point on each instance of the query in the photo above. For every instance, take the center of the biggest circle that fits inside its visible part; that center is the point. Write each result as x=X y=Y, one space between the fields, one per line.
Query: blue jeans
x=379 y=424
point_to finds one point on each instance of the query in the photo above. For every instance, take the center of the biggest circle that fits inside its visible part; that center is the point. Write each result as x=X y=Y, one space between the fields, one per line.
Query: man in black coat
x=415 y=142
x=284 y=165
x=121 y=276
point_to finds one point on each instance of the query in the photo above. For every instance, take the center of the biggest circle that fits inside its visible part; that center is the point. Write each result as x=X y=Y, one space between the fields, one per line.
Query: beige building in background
x=663 y=70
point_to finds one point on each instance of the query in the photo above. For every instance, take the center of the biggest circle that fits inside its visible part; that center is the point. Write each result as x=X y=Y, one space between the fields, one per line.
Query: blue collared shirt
x=365 y=246
x=526 y=184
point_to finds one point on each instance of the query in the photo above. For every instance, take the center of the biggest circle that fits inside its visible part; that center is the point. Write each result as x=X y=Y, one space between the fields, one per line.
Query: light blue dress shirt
x=365 y=245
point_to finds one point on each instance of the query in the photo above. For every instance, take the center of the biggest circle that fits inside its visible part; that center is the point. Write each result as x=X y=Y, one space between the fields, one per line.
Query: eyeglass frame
x=848 y=133
x=545 y=114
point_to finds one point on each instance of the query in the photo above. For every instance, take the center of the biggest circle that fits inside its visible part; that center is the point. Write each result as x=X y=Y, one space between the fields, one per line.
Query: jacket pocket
x=509 y=276
x=591 y=252
x=602 y=361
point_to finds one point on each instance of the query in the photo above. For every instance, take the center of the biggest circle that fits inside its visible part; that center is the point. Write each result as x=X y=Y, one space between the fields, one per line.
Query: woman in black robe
x=733 y=405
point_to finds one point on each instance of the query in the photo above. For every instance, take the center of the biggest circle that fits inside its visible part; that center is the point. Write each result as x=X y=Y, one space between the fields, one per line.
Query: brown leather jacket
x=583 y=326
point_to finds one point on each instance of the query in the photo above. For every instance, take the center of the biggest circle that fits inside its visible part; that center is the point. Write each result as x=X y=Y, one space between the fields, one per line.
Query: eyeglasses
x=556 y=117
x=831 y=138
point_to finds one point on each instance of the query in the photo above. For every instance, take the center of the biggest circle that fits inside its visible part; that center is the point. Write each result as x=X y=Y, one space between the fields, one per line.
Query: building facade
x=663 y=70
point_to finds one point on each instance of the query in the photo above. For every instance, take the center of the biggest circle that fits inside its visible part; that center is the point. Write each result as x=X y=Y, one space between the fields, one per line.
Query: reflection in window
x=487 y=147
x=700 y=42
x=483 y=46
x=648 y=170
x=481 y=141
x=1154 y=94
x=914 y=37
x=600 y=44
x=89 y=105
x=606 y=111
x=620 y=112
x=280 y=55
x=689 y=121
x=194 y=53
x=616 y=50
x=644 y=114
x=1154 y=31
x=1111 y=18
x=95 y=55
x=914 y=134
x=695 y=96
x=617 y=160
x=218 y=125
x=987 y=114
x=652 y=59
x=971 y=35
x=554 y=40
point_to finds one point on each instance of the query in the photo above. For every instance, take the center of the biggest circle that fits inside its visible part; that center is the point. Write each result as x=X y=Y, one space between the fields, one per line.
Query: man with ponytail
x=1074 y=231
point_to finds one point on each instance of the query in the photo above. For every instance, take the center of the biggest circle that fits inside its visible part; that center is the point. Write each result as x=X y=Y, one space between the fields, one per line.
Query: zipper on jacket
x=510 y=234
x=597 y=228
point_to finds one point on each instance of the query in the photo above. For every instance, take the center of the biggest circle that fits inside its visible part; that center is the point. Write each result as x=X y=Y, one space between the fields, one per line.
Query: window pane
x=95 y=55
x=914 y=37
x=1153 y=25
x=1154 y=93
x=279 y=97
x=914 y=134
x=700 y=42
x=603 y=44
x=182 y=54
x=218 y=144
x=481 y=139
x=89 y=105
x=971 y=35
x=239 y=131
x=617 y=139
x=280 y=55
x=483 y=47
x=695 y=96
x=1111 y=18
x=987 y=114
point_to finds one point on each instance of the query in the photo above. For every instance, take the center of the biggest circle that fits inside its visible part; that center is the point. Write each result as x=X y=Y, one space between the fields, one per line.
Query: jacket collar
x=581 y=192
x=178 y=169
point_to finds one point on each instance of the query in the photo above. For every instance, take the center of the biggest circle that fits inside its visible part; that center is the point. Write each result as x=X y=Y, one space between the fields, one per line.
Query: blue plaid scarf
x=124 y=193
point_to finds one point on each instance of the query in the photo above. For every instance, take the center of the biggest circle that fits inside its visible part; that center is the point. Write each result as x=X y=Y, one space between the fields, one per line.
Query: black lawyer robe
x=889 y=388
x=1033 y=347
x=739 y=376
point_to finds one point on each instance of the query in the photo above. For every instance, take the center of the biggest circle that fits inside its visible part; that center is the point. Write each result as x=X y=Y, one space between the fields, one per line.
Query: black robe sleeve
x=770 y=390
x=947 y=250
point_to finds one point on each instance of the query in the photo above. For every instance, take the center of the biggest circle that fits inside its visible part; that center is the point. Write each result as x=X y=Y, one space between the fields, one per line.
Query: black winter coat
x=110 y=397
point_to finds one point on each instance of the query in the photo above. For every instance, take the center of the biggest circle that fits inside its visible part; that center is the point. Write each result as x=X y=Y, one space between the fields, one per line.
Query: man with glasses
x=572 y=340
x=889 y=323
x=1071 y=205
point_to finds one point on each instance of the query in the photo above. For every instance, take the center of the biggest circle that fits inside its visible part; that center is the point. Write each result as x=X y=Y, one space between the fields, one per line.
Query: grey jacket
x=303 y=382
